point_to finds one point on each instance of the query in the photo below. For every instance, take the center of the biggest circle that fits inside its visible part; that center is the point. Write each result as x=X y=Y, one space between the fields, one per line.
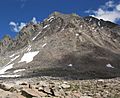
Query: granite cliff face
x=67 y=46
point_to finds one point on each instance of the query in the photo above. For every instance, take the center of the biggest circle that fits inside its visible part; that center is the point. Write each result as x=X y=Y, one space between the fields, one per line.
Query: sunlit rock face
x=64 y=45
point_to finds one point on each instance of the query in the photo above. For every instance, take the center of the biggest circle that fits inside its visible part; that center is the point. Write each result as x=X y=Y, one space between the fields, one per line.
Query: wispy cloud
x=22 y=3
x=110 y=11
x=17 y=27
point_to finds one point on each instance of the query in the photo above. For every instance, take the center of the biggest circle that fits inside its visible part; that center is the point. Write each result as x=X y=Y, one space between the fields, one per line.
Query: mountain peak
x=99 y=22
x=58 y=21
x=56 y=13
x=65 y=43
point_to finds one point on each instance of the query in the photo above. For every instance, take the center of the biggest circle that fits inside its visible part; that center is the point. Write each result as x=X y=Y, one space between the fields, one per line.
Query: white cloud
x=118 y=7
x=12 y=23
x=21 y=25
x=109 y=4
x=22 y=3
x=109 y=12
x=34 y=20
x=16 y=27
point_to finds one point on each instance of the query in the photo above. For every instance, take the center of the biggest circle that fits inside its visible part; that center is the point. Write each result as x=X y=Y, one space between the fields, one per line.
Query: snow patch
x=9 y=76
x=51 y=18
x=93 y=28
x=12 y=55
x=99 y=23
x=81 y=26
x=28 y=57
x=29 y=48
x=8 y=66
x=5 y=68
x=46 y=26
x=109 y=65
x=102 y=27
x=15 y=58
x=70 y=65
x=19 y=70
x=90 y=20
x=62 y=29
x=36 y=35
x=77 y=34
x=44 y=45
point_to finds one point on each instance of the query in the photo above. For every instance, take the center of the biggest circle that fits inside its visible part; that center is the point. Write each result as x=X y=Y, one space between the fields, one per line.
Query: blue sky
x=16 y=13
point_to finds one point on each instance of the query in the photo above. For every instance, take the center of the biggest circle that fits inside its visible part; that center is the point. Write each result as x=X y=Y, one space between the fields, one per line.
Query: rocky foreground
x=47 y=88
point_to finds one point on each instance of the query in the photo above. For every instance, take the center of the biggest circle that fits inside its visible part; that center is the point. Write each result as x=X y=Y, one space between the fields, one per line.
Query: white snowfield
x=8 y=66
x=19 y=70
x=4 y=69
x=109 y=65
x=28 y=57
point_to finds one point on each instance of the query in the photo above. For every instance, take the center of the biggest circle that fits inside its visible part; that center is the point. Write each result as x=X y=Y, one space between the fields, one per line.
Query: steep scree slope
x=67 y=46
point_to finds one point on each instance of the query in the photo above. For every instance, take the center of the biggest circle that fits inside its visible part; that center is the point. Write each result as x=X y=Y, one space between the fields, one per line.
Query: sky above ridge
x=14 y=14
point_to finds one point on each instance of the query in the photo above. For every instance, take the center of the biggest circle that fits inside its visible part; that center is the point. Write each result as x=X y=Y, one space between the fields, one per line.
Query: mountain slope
x=67 y=46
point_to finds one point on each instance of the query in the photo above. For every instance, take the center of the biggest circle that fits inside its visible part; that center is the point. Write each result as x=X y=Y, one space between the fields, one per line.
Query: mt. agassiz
x=66 y=46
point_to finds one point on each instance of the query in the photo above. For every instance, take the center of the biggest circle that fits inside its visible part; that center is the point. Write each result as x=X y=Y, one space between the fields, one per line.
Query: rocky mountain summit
x=65 y=56
x=63 y=45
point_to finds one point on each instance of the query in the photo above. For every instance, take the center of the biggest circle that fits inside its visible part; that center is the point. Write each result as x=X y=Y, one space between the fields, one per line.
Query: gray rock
x=15 y=95
x=86 y=97
x=5 y=87
x=65 y=86
x=30 y=92
x=56 y=92
x=47 y=90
